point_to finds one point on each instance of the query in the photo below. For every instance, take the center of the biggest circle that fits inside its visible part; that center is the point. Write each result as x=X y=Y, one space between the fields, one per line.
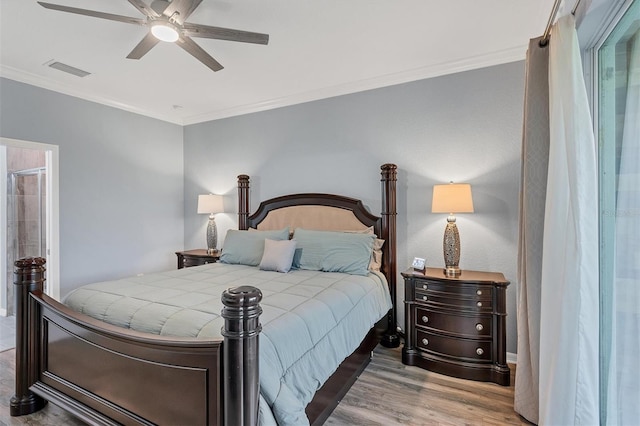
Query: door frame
x=52 y=215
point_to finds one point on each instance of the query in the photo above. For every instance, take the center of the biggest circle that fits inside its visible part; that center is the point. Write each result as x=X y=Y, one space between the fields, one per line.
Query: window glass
x=619 y=169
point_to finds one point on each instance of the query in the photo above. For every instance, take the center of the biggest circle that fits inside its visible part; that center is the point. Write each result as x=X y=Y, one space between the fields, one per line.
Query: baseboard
x=3 y=312
x=512 y=358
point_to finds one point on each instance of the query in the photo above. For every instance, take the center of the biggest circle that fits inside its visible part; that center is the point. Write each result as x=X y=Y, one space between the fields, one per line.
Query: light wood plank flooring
x=387 y=393
x=391 y=393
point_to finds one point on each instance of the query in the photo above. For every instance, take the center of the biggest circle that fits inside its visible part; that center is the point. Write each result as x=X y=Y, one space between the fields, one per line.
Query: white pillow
x=278 y=255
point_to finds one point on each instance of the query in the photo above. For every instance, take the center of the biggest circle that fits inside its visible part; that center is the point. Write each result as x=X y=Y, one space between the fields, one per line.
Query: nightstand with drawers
x=196 y=258
x=457 y=326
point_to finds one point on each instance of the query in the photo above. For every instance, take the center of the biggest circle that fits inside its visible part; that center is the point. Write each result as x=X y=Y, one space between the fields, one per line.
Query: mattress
x=311 y=320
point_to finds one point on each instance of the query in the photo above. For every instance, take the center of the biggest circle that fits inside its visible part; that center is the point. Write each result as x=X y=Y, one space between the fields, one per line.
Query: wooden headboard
x=351 y=210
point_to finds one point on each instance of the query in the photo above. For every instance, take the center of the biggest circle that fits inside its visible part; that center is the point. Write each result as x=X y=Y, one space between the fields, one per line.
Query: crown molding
x=494 y=58
x=66 y=89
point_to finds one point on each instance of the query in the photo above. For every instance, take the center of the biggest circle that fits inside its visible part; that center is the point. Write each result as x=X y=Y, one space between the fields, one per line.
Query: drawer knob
x=479 y=351
x=425 y=287
x=479 y=304
x=425 y=342
x=425 y=318
x=479 y=292
x=479 y=327
x=425 y=298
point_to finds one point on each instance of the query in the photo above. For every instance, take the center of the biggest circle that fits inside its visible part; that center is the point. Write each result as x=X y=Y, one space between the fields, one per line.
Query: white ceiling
x=317 y=49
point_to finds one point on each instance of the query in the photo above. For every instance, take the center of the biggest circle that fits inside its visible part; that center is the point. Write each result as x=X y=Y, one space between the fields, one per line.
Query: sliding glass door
x=618 y=106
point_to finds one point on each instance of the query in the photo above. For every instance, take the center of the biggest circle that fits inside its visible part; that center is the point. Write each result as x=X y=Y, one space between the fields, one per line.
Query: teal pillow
x=246 y=248
x=334 y=251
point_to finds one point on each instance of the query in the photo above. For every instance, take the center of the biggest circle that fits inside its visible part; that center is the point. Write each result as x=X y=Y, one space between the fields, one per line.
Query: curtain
x=623 y=390
x=558 y=306
x=533 y=189
x=569 y=316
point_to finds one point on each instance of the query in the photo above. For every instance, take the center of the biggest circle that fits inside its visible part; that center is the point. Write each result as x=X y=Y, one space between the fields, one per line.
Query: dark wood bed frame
x=105 y=374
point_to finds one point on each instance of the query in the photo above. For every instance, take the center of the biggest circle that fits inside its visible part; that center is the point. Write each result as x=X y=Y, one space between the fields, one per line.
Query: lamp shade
x=452 y=198
x=210 y=204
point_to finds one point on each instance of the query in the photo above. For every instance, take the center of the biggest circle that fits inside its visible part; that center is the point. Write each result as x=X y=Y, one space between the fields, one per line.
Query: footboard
x=126 y=377
x=104 y=374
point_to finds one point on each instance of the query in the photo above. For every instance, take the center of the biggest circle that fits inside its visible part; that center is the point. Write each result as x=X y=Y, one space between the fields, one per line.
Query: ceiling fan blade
x=144 y=8
x=205 y=31
x=93 y=13
x=143 y=47
x=184 y=8
x=198 y=52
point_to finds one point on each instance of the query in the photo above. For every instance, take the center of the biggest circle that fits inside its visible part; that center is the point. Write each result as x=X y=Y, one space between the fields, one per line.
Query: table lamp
x=211 y=204
x=452 y=198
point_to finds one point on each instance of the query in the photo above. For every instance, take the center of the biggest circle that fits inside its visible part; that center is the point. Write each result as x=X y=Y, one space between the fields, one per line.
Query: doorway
x=28 y=212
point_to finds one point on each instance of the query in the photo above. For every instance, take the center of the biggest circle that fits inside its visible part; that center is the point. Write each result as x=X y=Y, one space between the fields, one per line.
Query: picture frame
x=419 y=264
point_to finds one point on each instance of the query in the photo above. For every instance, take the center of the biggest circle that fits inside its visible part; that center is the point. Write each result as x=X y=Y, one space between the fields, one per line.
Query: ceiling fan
x=167 y=22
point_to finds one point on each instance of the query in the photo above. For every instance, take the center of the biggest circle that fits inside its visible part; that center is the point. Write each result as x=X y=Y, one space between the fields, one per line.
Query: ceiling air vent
x=67 y=68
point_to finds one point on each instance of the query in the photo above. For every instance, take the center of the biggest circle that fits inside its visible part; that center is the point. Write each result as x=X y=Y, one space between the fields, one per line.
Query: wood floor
x=387 y=393
x=391 y=393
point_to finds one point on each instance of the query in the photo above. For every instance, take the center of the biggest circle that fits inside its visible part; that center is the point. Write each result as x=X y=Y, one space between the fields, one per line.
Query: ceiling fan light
x=164 y=31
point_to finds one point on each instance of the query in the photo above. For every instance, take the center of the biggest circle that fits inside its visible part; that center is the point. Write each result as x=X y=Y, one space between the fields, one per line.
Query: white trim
x=53 y=210
x=4 y=273
x=53 y=223
x=607 y=18
x=512 y=358
x=466 y=64
x=516 y=53
x=45 y=83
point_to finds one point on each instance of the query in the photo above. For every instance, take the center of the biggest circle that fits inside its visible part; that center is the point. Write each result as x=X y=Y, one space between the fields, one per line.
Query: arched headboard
x=333 y=212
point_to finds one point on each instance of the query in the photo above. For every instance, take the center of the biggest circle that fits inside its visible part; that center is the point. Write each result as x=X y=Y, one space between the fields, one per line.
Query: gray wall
x=121 y=182
x=124 y=209
x=463 y=127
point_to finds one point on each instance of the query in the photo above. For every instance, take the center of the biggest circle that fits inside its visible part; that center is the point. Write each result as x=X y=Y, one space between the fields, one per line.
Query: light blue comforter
x=311 y=320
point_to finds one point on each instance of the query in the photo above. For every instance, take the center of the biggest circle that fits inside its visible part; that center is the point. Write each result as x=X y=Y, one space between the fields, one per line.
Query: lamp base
x=452 y=271
x=212 y=235
x=451 y=248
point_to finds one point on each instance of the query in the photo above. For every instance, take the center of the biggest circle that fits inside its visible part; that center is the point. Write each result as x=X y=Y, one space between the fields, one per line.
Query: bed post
x=243 y=202
x=241 y=384
x=28 y=276
x=388 y=179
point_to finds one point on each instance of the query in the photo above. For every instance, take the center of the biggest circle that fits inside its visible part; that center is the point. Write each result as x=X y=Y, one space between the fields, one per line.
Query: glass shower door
x=26 y=219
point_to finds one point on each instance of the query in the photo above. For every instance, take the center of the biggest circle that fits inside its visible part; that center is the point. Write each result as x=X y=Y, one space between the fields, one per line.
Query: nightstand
x=456 y=326
x=196 y=258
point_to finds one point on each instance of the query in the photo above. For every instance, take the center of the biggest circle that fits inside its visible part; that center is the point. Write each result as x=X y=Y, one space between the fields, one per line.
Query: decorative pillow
x=368 y=230
x=278 y=255
x=254 y=230
x=334 y=251
x=246 y=248
x=376 y=255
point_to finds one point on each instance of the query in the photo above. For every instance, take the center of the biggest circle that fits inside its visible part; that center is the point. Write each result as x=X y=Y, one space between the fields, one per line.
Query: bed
x=106 y=374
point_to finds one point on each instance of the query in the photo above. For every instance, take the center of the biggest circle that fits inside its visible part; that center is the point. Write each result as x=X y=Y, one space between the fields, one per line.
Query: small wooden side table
x=456 y=326
x=196 y=257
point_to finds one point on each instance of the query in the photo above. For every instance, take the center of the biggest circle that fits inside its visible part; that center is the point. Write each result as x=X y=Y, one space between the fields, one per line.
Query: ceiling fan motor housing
x=159 y=6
